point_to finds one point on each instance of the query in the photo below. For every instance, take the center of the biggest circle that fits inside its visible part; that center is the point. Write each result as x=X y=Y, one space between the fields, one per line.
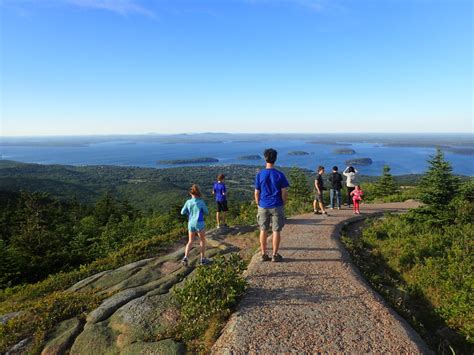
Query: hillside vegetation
x=423 y=262
x=61 y=224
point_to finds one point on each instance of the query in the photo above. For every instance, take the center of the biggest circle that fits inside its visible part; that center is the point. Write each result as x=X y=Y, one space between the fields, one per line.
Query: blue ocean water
x=402 y=160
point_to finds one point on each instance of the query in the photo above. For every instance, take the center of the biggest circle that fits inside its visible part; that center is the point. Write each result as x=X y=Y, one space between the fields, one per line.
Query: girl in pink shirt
x=356 y=198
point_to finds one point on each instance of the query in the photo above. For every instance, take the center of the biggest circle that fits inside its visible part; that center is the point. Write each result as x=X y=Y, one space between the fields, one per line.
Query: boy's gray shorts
x=274 y=215
x=318 y=197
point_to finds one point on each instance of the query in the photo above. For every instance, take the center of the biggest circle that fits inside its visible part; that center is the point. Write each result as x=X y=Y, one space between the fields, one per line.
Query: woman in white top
x=351 y=174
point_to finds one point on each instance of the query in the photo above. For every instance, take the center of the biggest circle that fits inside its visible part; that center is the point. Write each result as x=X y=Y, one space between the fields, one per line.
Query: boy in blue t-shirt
x=220 y=192
x=195 y=208
x=271 y=194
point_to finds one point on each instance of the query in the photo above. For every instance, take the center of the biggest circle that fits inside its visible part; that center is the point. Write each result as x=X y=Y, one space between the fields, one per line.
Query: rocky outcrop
x=61 y=339
x=138 y=314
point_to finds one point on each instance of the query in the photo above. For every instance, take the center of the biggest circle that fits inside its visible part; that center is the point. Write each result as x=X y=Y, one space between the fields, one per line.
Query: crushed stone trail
x=315 y=300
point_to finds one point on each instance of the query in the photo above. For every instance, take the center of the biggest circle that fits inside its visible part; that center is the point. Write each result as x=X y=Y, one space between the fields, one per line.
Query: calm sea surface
x=402 y=160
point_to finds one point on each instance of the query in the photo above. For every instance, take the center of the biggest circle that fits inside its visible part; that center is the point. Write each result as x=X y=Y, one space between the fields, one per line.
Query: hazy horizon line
x=229 y=133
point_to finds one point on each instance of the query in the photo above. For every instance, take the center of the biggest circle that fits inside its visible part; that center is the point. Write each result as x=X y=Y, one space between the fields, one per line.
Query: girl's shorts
x=197 y=227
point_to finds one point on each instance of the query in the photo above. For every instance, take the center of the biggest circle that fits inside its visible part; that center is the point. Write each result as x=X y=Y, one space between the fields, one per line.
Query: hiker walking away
x=336 y=185
x=319 y=187
x=195 y=209
x=220 y=193
x=271 y=194
x=357 y=194
x=351 y=181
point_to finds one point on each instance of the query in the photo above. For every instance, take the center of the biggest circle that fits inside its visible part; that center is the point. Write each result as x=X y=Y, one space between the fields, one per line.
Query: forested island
x=188 y=161
x=359 y=161
x=344 y=151
x=250 y=157
x=298 y=153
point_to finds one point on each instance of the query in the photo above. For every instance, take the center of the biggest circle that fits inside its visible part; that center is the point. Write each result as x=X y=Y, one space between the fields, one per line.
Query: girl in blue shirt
x=195 y=208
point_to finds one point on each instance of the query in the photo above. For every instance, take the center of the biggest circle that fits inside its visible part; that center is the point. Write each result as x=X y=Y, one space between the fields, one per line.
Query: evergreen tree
x=385 y=186
x=38 y=246
x=299 y=185
x=439 y=185
x=105 y=208
x=299 y=193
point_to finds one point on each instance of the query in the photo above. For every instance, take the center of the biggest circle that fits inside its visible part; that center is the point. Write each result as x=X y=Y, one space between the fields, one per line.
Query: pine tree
x=439 y=185
x=299 y=193
x=105 y=208
x=385 y=186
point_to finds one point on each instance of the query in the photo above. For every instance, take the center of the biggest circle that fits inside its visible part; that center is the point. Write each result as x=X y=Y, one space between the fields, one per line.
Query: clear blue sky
x=136 y=66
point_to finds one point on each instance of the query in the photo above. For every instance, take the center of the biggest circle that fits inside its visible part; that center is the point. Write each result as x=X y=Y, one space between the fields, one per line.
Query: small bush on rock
x=211 y=293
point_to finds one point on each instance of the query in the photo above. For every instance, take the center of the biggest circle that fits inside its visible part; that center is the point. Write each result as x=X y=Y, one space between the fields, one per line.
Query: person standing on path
x=195 y=209
x=271 y=194
x=336 y=185
x=351 y=181
x=318 y=197
x=220 y=193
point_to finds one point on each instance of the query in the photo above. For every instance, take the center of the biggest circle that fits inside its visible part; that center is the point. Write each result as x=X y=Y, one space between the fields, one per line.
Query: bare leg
x=218 y=218
x=315 y=205
x=321 y=205
x=202 y=242
x=263 y=241
x=190 y=243
x=276 y=242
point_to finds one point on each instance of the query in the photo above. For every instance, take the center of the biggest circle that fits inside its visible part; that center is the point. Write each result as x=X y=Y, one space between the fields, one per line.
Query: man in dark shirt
x=271 y=194
x=336 y=185
x=318 y=197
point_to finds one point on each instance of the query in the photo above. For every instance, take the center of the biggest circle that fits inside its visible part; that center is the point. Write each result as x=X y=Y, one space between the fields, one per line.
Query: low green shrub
x=209 y=295
x=426 y=272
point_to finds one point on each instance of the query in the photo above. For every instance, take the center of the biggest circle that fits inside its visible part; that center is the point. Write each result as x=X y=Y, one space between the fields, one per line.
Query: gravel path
x=315 y=300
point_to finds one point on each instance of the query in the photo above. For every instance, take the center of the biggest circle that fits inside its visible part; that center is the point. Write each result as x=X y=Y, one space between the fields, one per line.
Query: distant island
x=188 y=161
x=462 y=151
x=298 y=152
x=250 y=157
x=344 y=151
x=359 y=161
x=416 y=145
x=329 y=143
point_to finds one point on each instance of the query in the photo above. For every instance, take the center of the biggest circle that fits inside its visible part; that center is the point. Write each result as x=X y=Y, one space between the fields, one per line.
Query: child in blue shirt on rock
x=195 y=208
x=220 y=193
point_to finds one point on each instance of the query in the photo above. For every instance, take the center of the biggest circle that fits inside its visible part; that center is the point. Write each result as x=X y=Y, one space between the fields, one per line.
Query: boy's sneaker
x=205 y=261
x=277 y=258
x=185 y=261
x=316 y=212
x=265 y=257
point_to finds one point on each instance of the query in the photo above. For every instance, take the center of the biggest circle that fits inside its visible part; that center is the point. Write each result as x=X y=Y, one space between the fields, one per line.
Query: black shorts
x=222 y=206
